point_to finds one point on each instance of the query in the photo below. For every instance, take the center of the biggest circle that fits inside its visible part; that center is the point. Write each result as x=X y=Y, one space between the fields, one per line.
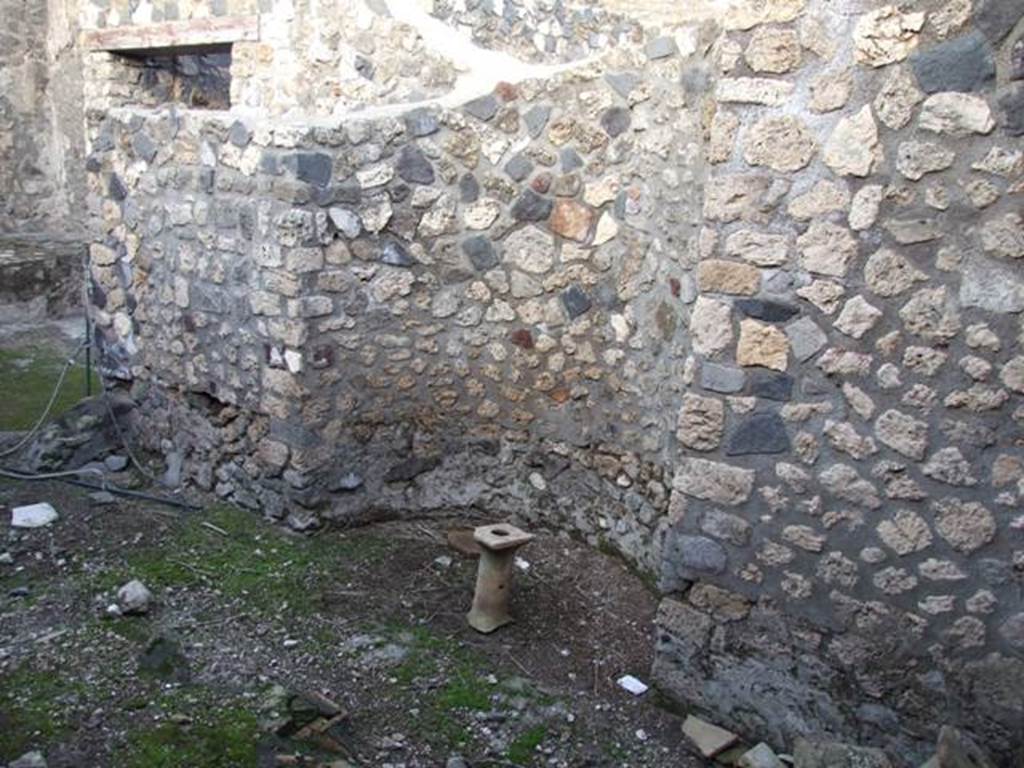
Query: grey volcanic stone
x=760 y=433
x=571 y=159
x=314 y=168
x=396 y=254
x=962 y=64
x=411 y=468
x=660 y=48
x=345 y=194
x=345 y=221
x=1012 y=630
x=364 y=67
x=531 y=207
x=992 y=285
x=877 y=715
x=805 y=338
x=698 y=553
x=346 y=483
x=483 y=108
x=144 y=146
x=421 y=122
x=956 y=749
x=997 y=18
x=623 y=83
x=769 y=311
x=30 y=760
x=536 y=118
x=116 y=188
x=239 y=134
x=725 y=526
x=576 y=301
x=726 y=379
x=616 y=121
x=760 y=756
x=1017 y=60
x=995 y=572
x=832 y=754
x=413 y=166
x=268 y=164
x=469 y=188
x=115 y=463
x=519 y=167
x=1011 y=103
x=481 y=252
x=770 y=385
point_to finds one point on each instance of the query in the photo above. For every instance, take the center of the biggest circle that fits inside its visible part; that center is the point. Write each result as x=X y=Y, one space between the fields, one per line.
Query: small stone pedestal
x=494 y=576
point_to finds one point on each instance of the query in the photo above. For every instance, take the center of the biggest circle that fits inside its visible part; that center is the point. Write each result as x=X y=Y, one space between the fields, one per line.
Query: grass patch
x=216 y=738
x=426 y=653
x=262 y=566
x=464 y=691
x=29 y=375
x=616 y=753
x=135 y=629
x=523 y=749
x=33 y=709
x=447 y=708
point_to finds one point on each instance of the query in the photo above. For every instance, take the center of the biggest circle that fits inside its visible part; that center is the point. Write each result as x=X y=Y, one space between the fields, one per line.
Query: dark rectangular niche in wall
x=198 y=77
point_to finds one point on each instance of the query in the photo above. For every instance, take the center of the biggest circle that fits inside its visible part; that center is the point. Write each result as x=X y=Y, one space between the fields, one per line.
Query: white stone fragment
x=134 y=597
x=33 y=516
x=956 y=114
x=633 y=685
x=886 y=35
x=850 y=149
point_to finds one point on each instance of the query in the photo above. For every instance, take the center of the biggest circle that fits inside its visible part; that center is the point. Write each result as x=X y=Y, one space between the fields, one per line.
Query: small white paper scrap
x=634 y=686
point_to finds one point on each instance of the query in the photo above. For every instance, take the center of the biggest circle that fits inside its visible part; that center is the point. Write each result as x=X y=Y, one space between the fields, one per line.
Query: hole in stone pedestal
x=499 y=531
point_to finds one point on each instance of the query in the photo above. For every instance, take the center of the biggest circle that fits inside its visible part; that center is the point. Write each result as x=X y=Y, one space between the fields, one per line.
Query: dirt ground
x=246 y=614
x=265 y=648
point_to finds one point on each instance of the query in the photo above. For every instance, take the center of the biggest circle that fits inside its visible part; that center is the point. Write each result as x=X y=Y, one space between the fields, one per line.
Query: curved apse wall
x=740 y=299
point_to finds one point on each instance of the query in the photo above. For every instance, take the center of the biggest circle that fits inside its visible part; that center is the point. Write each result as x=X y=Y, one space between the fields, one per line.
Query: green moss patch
x=193 y=733
x=33 y=707
x=29 y=375
x=245 y=558
x=523 y=749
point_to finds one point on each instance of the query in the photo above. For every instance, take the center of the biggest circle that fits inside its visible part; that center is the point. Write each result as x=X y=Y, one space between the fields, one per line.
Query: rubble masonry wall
x=739 y=296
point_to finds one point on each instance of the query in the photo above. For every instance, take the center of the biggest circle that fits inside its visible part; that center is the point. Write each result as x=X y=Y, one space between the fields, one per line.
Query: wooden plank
x=216 y=30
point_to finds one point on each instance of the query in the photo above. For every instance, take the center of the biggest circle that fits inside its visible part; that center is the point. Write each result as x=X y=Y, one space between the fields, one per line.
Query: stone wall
x=741 y=301
x=41 y=125
x=39 y=277
x=848 y=548
x=380 y=288
x=313 y=59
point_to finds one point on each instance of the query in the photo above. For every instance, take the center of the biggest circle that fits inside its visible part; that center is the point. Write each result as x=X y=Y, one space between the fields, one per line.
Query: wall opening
x=198 y=77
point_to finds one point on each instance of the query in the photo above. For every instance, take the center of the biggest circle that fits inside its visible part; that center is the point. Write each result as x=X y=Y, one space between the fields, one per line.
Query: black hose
x=137 y=495
x=117 y=491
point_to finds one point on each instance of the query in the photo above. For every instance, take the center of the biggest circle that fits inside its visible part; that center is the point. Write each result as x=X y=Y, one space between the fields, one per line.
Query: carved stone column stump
x=494 y=576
